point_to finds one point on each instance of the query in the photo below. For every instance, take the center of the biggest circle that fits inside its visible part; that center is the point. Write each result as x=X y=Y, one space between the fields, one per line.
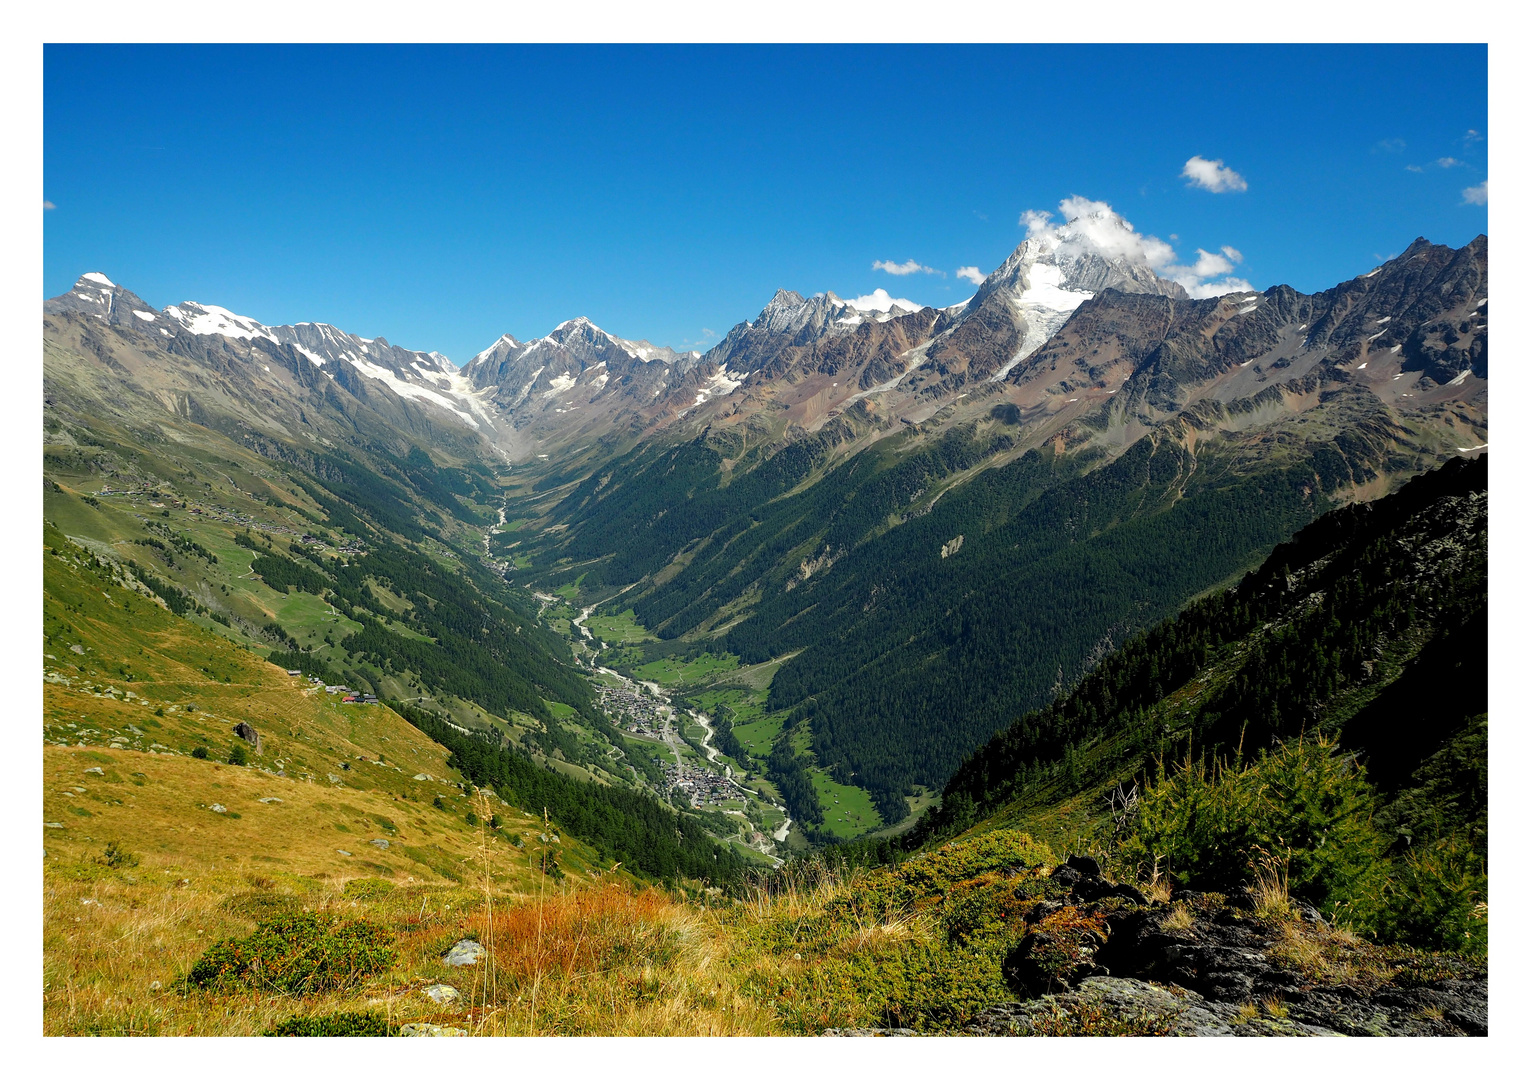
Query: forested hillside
x=1367 y=629
x=930 y=565
x=920 y=629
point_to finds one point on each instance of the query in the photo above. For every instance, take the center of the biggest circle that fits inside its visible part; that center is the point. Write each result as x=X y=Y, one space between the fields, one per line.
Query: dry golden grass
x=1270 y=894
x=1179 y=918
x=567 y=958
x=110 y=935
x=1334 y=956
x=119 y=940
x=592 y=960
x=160 y=804
x=610 y=960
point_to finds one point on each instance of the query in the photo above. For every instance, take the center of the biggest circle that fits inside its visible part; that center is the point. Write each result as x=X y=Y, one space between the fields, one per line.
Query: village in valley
x=642 y=709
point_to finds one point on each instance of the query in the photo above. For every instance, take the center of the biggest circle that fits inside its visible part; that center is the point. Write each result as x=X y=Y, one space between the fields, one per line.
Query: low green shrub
x=1304 y=808
x=915 y=983
x=296 y=953
x=238 y=755
x=338 y=1025
x=116 y=857
x=1435 y=899
x=1002 y=849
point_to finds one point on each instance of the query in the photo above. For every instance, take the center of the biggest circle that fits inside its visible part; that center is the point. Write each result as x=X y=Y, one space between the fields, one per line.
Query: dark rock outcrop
x=248 y=734
x=1106 y=960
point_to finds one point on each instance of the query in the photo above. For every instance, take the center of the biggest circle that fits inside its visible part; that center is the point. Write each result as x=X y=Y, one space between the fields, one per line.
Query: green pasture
x=848 y=811
x=670 y=671
x=622 y=629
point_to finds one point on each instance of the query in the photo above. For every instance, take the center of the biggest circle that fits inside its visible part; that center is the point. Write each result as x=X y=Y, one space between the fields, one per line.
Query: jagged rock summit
x=96 y=294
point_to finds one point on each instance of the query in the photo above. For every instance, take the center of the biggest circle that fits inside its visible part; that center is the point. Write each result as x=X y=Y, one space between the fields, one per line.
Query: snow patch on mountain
x=410 y=390
x=644 y=351
x=207 y=320
x=99 y=279
x=722 y=384
x=559 y=384
x=505 y=340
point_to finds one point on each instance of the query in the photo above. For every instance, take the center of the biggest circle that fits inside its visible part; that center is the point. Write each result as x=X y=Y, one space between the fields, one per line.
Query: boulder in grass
x=248 y=734
x=442 y=994
x=465 y=953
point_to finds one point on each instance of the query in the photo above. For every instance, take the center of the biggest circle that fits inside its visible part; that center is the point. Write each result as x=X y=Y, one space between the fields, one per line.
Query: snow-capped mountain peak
x=503 y=343
x=98 y=295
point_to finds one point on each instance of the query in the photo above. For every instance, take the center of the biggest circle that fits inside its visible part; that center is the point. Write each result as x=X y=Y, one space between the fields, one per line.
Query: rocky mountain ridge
x=1065 y=328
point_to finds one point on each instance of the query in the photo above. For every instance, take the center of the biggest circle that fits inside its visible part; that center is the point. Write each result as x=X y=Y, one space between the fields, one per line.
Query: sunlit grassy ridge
x=335 y=792
x=921 y=945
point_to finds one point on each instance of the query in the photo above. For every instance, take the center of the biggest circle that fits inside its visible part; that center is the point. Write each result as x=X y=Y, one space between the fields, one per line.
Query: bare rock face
x=1104 y=960
x=466 y=953
x=1104 y=1005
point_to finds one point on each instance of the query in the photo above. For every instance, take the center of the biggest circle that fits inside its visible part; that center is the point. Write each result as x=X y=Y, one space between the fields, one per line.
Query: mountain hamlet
x=1084 y=658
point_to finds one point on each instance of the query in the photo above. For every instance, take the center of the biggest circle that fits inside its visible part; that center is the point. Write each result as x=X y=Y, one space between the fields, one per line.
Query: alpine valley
x=1087 y=657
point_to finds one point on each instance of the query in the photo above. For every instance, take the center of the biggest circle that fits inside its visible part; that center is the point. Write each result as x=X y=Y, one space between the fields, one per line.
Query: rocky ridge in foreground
x=1106 y=959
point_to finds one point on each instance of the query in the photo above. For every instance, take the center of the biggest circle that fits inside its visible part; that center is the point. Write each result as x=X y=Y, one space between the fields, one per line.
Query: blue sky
x=440 y=197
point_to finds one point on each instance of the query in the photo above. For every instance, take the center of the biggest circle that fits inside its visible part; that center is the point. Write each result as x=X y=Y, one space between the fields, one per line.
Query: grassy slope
x=209 y=490
x=201 y=873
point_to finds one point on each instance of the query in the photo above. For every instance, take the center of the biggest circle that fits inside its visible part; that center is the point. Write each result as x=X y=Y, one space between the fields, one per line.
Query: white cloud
x=1449 y=162
x=1477 y=195
x=1093 y=226
x=1210 y=264
x=971 y=273
x=1205 y=290
x=1414 y=168
x=48 y=205
x=903 y=268
x=879 y=300
x=1212 y=175
x=1197 y=279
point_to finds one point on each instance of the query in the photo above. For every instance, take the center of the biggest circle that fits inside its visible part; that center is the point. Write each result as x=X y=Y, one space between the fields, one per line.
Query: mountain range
x=925 y=522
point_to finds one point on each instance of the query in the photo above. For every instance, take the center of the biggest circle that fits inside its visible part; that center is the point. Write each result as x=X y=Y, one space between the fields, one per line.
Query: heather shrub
x=296 y=953
x=117 y=857
x=369 y=1024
